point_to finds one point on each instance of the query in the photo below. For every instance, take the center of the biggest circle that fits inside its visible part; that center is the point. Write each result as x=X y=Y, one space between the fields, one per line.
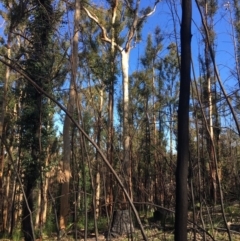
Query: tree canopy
x=119 y=116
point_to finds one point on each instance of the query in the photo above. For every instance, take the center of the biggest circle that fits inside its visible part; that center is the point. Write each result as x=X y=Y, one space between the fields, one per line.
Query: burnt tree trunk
x=122 y=223
x=183 y=125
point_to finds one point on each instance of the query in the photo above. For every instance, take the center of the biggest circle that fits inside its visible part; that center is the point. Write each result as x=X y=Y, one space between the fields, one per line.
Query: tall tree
x=36 y=111
x=183 y=125
x=210 y=8
x=13 y=20
x=135 y=23
x=110 y=140
x=64 y=202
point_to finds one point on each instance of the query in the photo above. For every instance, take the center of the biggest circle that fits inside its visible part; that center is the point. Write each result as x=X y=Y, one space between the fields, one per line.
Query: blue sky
x=224 y=44
x=163 y=18
x=224 y=47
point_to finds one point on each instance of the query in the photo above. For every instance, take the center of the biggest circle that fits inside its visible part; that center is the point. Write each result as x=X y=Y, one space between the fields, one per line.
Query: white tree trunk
x=126 y=135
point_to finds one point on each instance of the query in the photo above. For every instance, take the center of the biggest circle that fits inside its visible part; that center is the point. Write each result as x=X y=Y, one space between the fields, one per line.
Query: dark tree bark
x=183 y=125
x=27 y=225
x=35 y=107
x=122 y=223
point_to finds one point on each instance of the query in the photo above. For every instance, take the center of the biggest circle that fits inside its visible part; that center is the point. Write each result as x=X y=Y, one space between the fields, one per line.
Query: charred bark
x=183 y=125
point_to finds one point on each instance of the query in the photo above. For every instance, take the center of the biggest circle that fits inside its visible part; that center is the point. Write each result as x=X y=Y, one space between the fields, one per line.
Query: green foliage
x=211 y=6
x=50 y=225
x=96 y=58
x=101 y=222
x=42 y=49
x=17 y=234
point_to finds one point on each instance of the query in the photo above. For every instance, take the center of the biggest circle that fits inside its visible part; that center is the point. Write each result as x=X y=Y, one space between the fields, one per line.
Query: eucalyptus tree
x=128 y=11
x=111 y=84
x=95 y=61
x=89 y=88
x=71 y=105
x=133 y=26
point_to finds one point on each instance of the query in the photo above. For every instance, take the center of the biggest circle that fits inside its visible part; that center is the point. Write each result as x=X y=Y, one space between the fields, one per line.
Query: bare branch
x=1 y=25
x=103 y=29
x=133 y=28
x=96 y=20
x=136 y=21
x=151 y=12
x=128 y=5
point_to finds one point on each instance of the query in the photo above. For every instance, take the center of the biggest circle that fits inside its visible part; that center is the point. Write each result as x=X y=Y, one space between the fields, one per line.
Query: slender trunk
x=183 y=125
x=147 y=180
x=210 y=146
x=45 y=202
x=154 y=143
x=38 y=208
x=15 y=187
x=200 y=183
x=126 y=134
x=64 y=204
x=110 y=110
x=7 y=197
x=45 y=177
x=43 y=194
x=235 y=24
x=28 y=207
x=98 y=158
x=209 y=101
x=12 y=210
x=211 y=52
x=217 y=175
x=3 y=200
x=109 y=181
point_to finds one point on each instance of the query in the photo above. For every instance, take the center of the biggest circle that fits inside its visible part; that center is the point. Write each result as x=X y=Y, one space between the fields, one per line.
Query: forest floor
x=213 y=223
x=153 y=233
